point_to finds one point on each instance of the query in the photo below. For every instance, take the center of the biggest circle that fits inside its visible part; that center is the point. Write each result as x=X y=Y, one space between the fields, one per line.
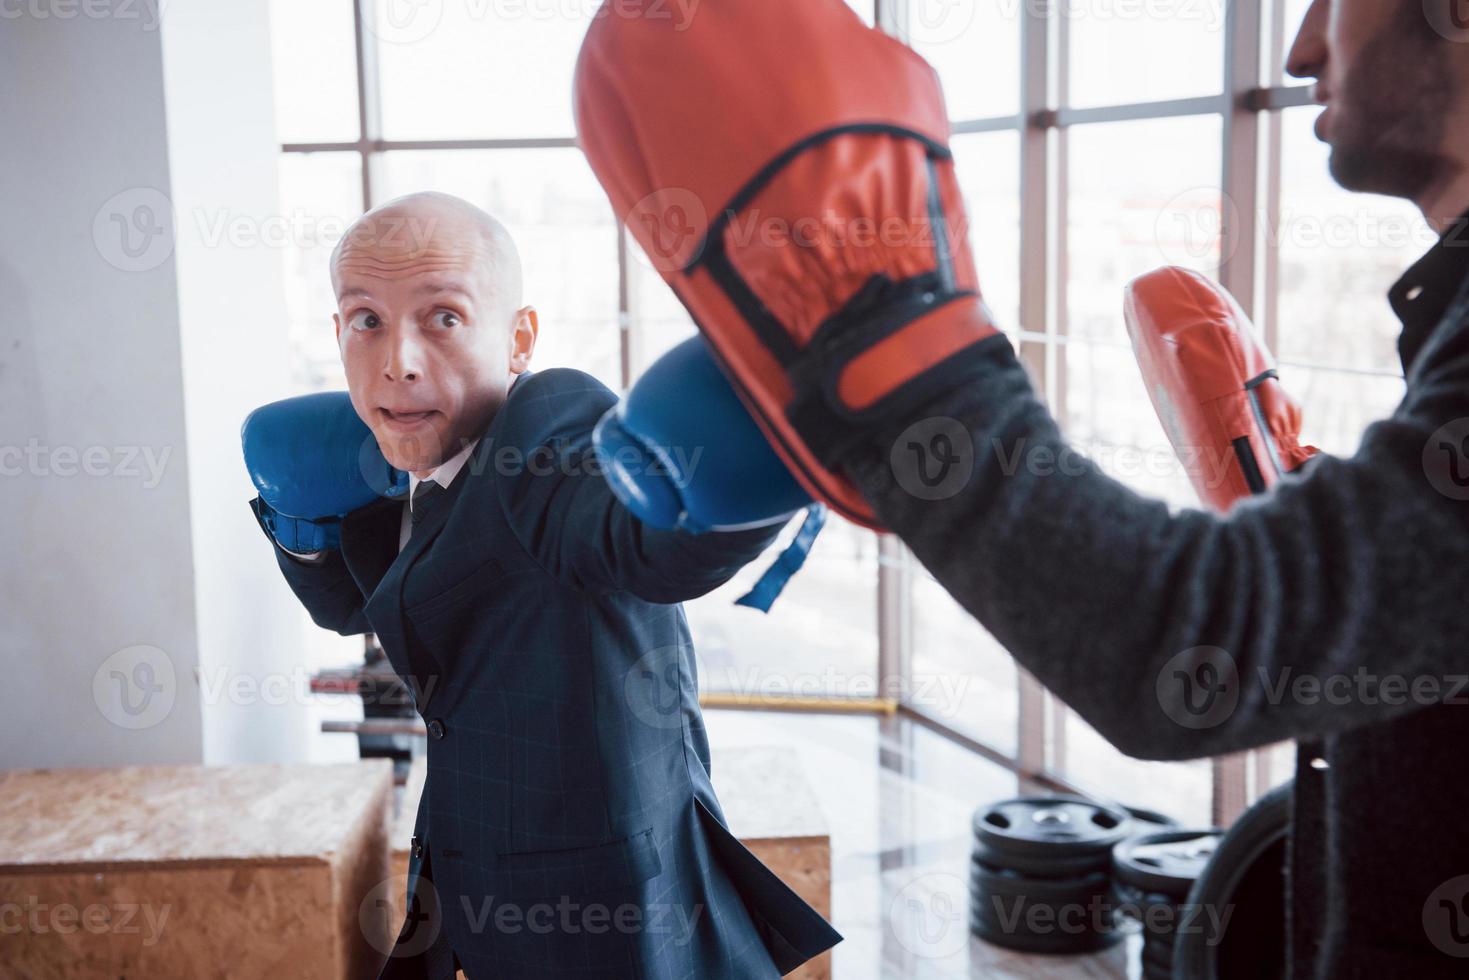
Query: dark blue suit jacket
x=568 y=824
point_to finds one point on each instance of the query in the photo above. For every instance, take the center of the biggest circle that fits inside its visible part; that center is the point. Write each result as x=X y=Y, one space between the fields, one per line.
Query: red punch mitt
x=1213 y=384
x=786 y=168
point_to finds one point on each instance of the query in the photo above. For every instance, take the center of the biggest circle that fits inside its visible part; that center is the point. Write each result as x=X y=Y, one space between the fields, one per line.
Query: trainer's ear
x=523 y=332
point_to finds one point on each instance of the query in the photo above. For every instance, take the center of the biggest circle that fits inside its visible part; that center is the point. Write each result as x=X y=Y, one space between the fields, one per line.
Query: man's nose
x=404 y=360
x=1307 y=56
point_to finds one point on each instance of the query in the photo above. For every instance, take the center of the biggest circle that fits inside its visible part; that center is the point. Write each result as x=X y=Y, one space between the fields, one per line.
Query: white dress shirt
x=443 y=475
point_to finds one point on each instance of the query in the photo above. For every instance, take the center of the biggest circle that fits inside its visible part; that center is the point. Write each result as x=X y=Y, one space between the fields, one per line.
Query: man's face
x=1385 y=75
x=428 y=339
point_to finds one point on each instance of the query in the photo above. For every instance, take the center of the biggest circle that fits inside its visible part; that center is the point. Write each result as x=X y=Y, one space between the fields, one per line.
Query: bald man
x=568 y=826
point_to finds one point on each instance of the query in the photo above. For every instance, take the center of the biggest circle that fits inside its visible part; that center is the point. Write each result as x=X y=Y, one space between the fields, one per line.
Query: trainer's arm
x=567 y=518
x=1354 y=564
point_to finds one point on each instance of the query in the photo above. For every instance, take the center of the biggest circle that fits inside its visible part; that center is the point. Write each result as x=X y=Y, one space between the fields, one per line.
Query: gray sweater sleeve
x=1336 y=600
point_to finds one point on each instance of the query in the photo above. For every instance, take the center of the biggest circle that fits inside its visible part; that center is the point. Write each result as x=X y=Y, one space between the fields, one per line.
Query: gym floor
x=898 y=800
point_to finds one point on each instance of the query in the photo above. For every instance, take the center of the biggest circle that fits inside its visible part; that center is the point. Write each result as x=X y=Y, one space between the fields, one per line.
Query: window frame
x=1250 y=106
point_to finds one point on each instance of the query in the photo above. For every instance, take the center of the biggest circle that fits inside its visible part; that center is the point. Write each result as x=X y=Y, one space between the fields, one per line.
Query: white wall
x=128 y=557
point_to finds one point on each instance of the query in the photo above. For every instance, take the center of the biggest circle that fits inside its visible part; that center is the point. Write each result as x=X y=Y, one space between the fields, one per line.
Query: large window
x=1094 y=142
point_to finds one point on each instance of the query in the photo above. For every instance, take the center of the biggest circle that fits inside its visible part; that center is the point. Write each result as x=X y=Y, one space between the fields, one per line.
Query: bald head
x=428 y=230
x=430 y=324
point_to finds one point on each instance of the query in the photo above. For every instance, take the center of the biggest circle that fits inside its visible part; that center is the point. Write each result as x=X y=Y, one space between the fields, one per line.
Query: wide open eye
x=447 y=318
x=364 y=320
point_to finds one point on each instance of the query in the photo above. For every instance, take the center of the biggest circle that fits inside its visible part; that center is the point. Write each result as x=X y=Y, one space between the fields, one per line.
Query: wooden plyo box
x=769 y=806
x=166 y=872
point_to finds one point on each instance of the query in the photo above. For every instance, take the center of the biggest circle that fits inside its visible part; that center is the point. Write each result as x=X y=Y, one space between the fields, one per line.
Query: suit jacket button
x=417 y=848
x=436 y=728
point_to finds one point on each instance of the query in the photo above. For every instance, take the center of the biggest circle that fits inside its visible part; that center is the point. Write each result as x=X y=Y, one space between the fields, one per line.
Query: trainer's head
x=430 y=324
x=1394 y=77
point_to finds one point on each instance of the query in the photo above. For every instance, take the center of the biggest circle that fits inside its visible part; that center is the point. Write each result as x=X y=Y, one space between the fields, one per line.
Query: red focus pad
x=1213 y=384
x=786 y=168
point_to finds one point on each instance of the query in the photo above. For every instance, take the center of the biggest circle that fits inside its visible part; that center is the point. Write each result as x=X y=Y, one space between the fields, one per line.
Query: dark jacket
x=568 y=824
x=1352 y=574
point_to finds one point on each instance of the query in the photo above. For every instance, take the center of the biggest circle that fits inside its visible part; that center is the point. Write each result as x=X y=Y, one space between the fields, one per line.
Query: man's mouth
x=404 y=420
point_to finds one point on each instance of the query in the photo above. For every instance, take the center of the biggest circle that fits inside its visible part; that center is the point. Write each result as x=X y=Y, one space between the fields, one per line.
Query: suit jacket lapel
x=385 y=605
x=370 y=541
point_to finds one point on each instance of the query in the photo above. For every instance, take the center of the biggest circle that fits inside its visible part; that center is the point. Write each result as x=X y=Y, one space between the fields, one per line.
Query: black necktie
x=424 y=496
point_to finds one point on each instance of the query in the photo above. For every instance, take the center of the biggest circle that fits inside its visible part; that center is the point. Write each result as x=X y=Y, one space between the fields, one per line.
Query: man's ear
x=523 y=332
x=337 y=323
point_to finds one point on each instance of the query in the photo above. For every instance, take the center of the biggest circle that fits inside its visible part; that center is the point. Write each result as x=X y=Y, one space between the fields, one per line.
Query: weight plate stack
x=1039 y=878
x=1154 y=873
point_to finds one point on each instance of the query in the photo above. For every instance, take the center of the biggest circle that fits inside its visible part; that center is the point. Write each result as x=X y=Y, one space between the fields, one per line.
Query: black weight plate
x=1044 y=826
x=1165 y=862
x=1128 y=895
x=1246 y=874
x=1082 y=911
x=1148 y=821
x=1042 y=866
x=1010 y=883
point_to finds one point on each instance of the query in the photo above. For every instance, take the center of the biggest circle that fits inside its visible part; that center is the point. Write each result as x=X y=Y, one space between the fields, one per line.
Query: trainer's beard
x=1391 y=115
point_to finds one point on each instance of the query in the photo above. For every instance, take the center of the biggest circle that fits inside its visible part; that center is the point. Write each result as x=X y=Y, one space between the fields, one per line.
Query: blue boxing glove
x=314 y=461
x=680 y=451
